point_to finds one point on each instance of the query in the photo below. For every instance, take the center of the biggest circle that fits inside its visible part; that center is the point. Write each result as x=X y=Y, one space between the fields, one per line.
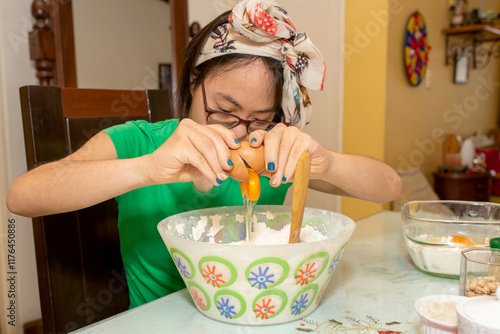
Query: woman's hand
x=283 y=147
x=194 y=152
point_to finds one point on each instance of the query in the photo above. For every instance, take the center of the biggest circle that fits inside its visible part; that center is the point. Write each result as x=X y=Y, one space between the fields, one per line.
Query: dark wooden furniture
x=80 y=271
x=463 y=186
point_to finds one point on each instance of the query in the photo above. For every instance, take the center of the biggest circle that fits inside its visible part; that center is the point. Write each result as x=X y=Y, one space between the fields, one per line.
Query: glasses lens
x=227 y=120
x=260 y=125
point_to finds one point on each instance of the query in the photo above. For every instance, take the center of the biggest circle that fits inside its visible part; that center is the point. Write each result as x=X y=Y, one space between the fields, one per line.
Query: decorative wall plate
x=416 y=49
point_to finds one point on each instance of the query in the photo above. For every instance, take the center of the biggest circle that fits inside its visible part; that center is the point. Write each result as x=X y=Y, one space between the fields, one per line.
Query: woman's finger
x=211 y=158
x=256 y=138
x=272 y=148
x=224 y=141
x=221 y=138
x=286 y=157
x=302 y=142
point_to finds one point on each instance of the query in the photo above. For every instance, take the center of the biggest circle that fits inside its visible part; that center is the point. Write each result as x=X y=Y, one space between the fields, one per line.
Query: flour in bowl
x=263 y=235
x=439 y=255
x=440 y=310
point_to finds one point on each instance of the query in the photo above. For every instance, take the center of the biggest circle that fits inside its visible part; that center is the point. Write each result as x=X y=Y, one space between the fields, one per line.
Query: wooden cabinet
x=463 y=186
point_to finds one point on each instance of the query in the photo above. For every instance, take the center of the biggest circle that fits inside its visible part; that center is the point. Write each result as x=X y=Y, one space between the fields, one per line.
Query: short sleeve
x=137 y=138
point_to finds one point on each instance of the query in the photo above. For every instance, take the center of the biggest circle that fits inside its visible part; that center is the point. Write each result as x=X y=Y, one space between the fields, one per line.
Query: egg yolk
x=252 y=187
x=457 y=239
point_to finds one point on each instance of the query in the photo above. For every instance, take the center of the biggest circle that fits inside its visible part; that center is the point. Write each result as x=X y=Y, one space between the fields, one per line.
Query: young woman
x=245 y=78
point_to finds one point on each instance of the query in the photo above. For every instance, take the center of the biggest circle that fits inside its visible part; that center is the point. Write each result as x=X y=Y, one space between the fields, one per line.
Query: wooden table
x=374 y=289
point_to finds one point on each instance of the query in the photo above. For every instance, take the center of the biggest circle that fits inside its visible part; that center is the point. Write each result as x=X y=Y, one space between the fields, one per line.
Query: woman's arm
x=93 y=174
x=89 y=176
x=331 y=172
x=358 y=176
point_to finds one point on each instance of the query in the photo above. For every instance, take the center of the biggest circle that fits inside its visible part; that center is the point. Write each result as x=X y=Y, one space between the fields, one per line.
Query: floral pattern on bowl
x=254 y=284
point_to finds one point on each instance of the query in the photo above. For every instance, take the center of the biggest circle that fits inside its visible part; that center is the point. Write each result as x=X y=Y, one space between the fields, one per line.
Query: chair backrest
x=80 y=270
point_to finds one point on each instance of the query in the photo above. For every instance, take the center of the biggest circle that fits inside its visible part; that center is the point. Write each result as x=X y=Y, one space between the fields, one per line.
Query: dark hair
x=192 y=77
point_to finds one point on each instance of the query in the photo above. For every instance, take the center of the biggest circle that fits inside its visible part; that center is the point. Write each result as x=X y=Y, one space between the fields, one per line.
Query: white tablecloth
x=374 y=289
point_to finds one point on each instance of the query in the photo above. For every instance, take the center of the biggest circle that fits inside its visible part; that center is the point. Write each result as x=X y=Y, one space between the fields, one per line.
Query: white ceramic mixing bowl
x=254 y=284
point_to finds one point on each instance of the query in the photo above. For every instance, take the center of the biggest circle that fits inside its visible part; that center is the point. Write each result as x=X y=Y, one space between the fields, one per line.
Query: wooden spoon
x=300 y=186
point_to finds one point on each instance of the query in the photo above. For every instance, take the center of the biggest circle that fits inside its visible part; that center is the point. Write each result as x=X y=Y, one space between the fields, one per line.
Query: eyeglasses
x=230 y=121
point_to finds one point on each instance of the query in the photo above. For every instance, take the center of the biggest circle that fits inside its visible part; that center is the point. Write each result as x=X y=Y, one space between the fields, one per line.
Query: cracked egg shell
x=254 y=157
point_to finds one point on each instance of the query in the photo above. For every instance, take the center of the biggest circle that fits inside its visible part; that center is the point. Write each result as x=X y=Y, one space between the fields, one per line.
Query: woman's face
x=244 y=91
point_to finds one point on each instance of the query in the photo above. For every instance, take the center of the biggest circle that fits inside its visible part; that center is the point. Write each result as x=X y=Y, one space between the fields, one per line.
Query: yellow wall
x=365 y=53
x=417 y=117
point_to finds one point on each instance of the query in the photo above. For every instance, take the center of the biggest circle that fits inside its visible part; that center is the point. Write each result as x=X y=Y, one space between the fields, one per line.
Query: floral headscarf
x=263 y=28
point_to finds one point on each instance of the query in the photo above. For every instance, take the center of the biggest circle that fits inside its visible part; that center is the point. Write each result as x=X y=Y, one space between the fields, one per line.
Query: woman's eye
x=223 y=110
x=265 y=119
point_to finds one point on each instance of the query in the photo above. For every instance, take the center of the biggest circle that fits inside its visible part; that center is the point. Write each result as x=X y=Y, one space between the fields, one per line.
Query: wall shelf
x=472 y=39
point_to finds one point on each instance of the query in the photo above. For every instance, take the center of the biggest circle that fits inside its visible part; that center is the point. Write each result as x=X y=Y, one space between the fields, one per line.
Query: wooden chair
x=80 y=270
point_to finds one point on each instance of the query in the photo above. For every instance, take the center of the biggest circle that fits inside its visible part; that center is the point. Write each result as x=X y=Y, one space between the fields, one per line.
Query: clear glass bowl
x=436 y=232
x=261 y=284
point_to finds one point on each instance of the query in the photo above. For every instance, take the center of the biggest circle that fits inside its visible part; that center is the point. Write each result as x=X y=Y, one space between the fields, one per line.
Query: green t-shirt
x=151 y=273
